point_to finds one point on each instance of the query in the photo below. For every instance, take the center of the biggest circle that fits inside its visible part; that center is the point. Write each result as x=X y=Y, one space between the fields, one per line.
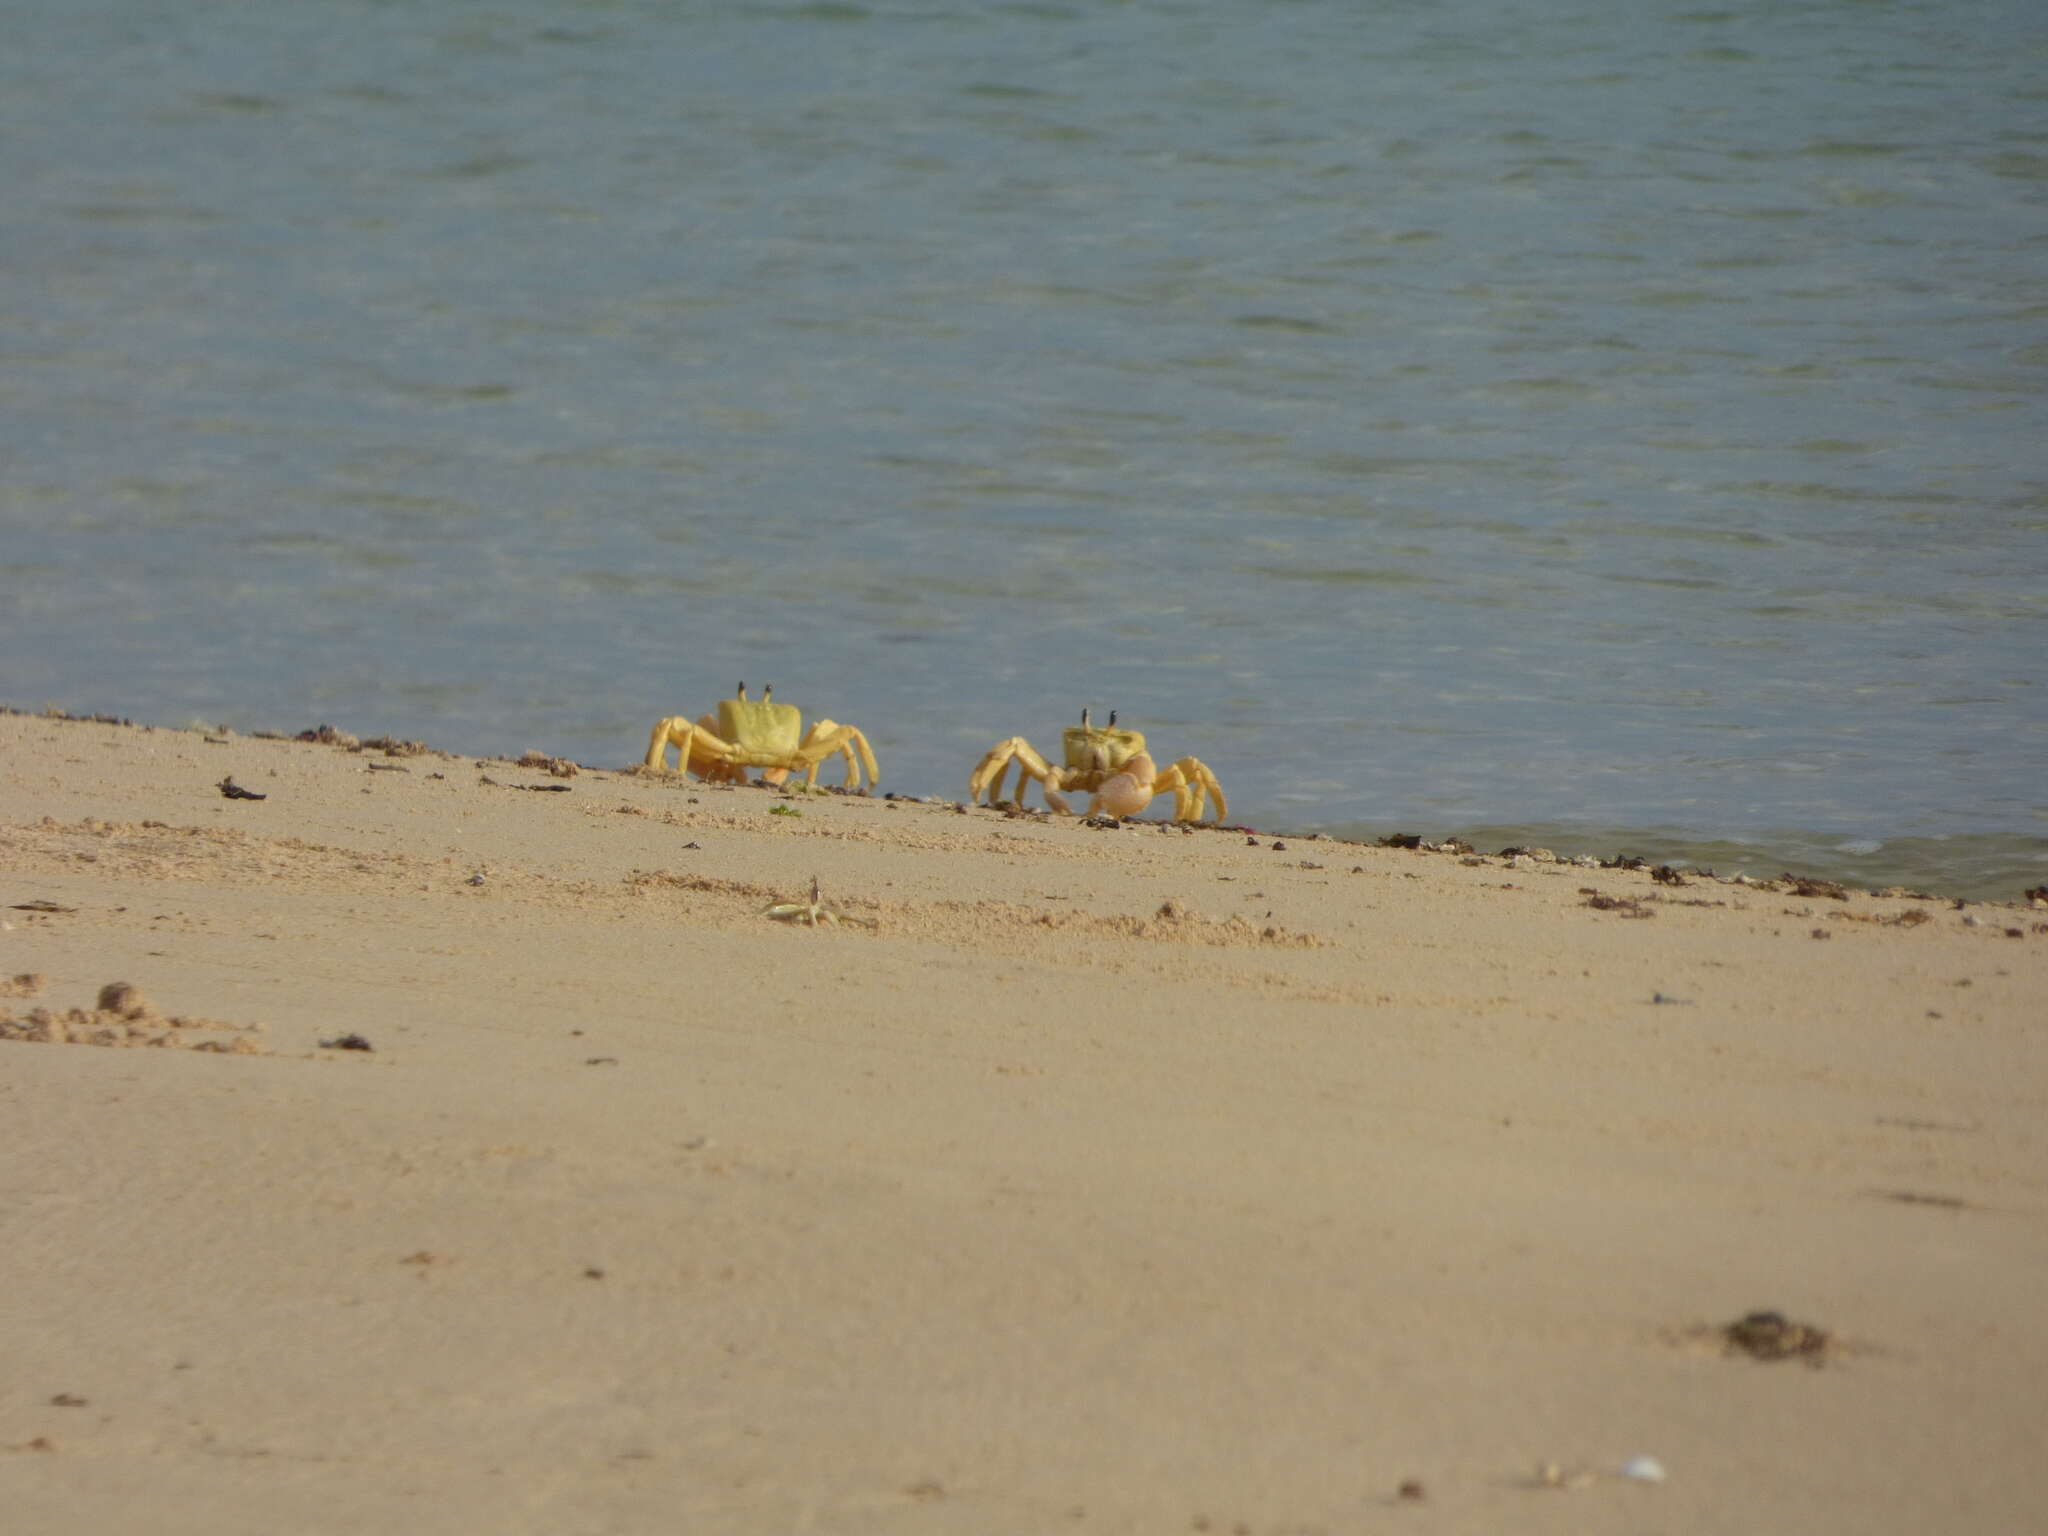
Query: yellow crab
x=1111 y=764
x=757 y=733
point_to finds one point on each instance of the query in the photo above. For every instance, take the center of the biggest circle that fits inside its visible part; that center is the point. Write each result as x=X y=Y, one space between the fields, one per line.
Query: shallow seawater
x=1431 y=418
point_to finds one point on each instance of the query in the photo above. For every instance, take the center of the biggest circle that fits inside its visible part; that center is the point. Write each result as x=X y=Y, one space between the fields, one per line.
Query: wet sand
x=473 y=1153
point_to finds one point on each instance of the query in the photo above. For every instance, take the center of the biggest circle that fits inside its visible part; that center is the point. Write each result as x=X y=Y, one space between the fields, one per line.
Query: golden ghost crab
x=1111 y=763
x=758 y=733
x=814 y=912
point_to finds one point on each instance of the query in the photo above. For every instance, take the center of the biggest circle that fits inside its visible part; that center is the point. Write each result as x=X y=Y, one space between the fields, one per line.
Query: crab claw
x=1129 y=792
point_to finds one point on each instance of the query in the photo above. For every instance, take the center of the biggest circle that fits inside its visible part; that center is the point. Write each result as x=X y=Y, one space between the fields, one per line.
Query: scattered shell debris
x=984 y=920
x=324 y=735
x=560 y=767
x=393 y=746
x=1626 y=906
x=1800 y=885
x=329 y=736
x=1172 y=921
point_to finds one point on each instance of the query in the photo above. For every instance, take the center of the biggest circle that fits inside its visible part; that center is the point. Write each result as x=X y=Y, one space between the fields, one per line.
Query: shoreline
x=477 y=1149
x=1609 y=848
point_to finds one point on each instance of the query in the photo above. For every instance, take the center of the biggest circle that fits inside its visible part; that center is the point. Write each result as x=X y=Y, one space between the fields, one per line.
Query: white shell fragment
x=1643 y=1469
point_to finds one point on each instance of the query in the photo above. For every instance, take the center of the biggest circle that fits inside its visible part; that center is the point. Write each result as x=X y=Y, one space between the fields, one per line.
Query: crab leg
x=699 y=750
x=988 y=774
x=674 y=731
x=827 y=737
x=690 y=739
x=1191 y=781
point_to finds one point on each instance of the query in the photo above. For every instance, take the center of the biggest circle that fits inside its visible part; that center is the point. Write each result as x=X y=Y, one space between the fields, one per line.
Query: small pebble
x=1643 y=1469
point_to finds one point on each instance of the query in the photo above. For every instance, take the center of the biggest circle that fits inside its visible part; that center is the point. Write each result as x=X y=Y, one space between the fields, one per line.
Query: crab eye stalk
x=1112 y=719
x=742 y=690
x=767 y=692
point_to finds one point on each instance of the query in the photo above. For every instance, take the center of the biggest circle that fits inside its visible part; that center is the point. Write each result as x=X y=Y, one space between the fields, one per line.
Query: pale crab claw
x=1129 y=792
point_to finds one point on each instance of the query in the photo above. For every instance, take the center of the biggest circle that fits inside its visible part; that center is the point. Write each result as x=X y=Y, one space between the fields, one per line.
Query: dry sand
x=1029 y=1208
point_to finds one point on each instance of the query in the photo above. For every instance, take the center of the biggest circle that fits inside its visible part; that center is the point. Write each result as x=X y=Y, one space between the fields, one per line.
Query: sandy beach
x=470 y=1151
